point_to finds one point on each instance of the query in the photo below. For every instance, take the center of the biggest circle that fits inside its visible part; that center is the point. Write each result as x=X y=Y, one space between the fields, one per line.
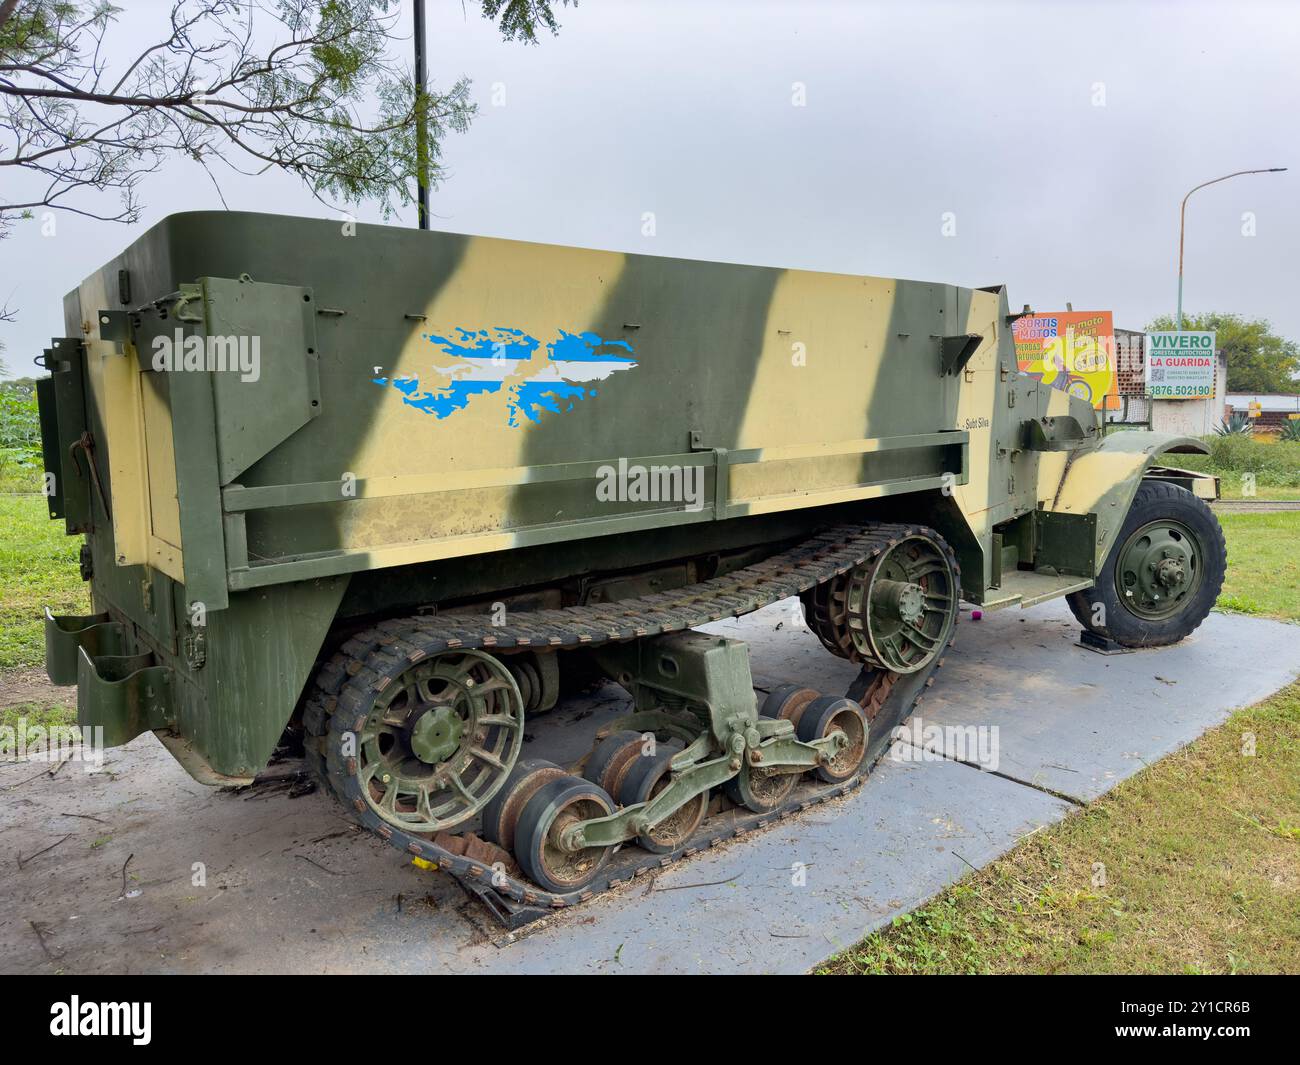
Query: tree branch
x=306 y=87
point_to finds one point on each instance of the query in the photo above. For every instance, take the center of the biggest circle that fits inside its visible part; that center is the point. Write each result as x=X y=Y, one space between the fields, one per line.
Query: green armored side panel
x=521 y=370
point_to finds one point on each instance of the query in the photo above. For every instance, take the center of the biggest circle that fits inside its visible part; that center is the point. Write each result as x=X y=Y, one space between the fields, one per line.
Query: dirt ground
x=21 y=686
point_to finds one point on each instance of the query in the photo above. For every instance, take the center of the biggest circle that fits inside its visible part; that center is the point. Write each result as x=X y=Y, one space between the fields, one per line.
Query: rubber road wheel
x=789 y=702
x=501 y=814
x=561 y=802
x=612 y=758
x=834 y=714
x=760 y=790
x=642 y=783
x=1163 y=574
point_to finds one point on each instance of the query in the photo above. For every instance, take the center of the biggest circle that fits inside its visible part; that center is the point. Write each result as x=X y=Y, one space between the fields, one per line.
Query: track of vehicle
x=886 y=697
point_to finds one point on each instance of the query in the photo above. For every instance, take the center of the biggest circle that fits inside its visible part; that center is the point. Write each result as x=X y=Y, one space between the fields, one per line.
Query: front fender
x=1104 y=480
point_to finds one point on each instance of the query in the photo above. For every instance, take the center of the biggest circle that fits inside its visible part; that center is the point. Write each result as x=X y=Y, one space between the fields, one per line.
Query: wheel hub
x=440 y=740
x=1170 y=572
x=1158 y=569
x=902 y=604
x=436 y=735
x=899 y=600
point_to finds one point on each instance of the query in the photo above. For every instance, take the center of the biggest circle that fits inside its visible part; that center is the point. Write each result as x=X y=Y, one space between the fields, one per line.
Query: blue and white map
x=535 y=379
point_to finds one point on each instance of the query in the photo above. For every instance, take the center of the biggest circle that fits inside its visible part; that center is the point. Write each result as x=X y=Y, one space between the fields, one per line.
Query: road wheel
x=425 y=741
x=501 y=814
x=760 y=790
x=646 y=779
x=539 y=834
x=833 y=714
x=612 y=758
x=1163 y=575
x=789 y=702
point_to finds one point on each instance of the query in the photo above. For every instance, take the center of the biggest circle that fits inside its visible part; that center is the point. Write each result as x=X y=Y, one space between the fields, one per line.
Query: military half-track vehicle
x=395 y=493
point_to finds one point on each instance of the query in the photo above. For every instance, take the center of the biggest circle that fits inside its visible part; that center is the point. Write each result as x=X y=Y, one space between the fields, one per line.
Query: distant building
x=1274 y=408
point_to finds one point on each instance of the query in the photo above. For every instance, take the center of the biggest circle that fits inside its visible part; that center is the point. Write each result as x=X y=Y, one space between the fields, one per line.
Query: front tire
x=1163 y=573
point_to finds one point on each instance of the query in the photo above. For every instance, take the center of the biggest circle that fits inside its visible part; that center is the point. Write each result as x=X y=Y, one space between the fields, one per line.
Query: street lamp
x=1182 y=225
x=421 y=133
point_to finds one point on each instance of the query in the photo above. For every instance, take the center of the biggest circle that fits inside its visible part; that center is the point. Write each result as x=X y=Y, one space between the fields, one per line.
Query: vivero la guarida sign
x=1180 y=365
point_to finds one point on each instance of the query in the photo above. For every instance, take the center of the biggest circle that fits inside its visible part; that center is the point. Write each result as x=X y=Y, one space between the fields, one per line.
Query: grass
x=1274 y=465
x=38 y=567
x=1263 y=564
x=1231 y=484
x=38 y=715
x=20 y=471
x=1192 y=865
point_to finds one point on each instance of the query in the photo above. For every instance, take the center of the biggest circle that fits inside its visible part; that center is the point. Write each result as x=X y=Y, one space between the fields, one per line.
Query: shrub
x=20 y=426
x=20 y=439
x=1236 y=422
x=1274 y=463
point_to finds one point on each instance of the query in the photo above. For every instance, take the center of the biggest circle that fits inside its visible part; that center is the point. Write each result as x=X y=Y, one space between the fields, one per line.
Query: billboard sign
x=1073 y=351
x=1180 y=365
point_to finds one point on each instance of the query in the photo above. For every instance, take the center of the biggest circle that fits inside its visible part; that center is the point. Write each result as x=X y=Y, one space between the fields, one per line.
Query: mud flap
x=120 y=690
x=124 y=695
x=66 y=634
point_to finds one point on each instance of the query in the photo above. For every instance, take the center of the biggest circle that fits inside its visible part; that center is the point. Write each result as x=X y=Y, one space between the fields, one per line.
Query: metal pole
x=421 y=130
x=1182 y=226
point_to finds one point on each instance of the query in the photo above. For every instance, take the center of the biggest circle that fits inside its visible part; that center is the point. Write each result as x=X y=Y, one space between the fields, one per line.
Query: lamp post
x=1182 y=225
x=421 y=131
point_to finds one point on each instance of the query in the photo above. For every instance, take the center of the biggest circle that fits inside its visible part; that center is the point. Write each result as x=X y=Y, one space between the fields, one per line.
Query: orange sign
x=1073 y=351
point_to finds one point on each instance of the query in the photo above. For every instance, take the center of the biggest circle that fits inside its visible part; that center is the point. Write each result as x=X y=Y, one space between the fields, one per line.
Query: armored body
x=391 y=494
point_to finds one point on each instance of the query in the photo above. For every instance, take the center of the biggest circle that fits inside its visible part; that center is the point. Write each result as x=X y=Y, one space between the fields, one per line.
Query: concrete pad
x=1077 y=722
x=152 y=872
x=290 y=886
x=282 y=883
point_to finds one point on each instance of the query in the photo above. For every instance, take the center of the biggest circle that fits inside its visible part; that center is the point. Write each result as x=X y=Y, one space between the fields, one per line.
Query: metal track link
x=373 y=658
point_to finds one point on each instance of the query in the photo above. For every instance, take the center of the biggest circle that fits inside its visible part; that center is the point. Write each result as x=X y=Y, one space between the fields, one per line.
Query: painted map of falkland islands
x=534 y=378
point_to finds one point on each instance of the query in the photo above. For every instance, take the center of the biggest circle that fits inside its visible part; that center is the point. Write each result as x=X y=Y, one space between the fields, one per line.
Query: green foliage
x=1263 y=567
x=38 y=568
x=34 y=716
x=519 y=20
x=20 y=433
x=1236 y=422
x=1249 y=455
x=1275 y=464
x=318 y=88
x=1290 y=431
x=1258 y=359
x=19 y=425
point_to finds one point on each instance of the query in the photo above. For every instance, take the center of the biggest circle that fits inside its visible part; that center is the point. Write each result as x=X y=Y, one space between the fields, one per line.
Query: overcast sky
x=1061 y=136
